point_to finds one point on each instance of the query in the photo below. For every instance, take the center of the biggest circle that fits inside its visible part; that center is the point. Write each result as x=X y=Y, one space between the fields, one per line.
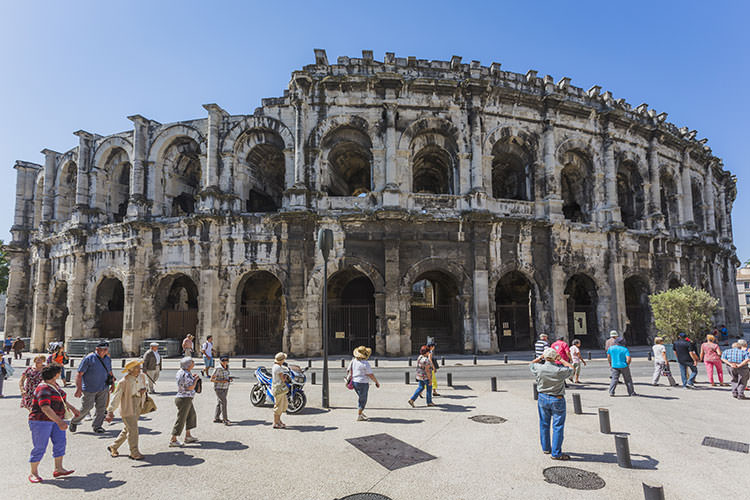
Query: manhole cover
x=726 y=445
x=390 y=452
x=365 y=496
x=488 y=419
x=570 y=477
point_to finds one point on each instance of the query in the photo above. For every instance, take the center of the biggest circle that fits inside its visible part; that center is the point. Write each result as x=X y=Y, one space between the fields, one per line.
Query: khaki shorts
x=281 y=403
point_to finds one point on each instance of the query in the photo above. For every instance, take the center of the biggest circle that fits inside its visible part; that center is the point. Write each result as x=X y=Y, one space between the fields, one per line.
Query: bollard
x=649 y=355
x=67 y=376
x=376 y=362
x=450 y=379
x=313 y=378
x=28 y=361
x=70 y=362
x=493 y=382
x=123 y=363
x=409 y=361
x=505 y=359
x=623 y=451
x=475 y=360
x=244 y=363
x=536 y=393
x=442 y=361
x=309 y=363
x=342 y=363
x=577 y=404
x=604 y=427
x=653 y=492
x=406 y=378
x=589 y=355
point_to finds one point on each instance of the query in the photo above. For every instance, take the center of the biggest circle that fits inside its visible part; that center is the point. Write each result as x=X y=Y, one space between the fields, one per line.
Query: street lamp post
x=325 y=243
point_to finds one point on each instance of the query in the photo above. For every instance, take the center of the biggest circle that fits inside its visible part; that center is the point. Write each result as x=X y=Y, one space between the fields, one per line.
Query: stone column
x=725 y=216
x=552 y=179
x=654 y=208
x=610 y=182
x=138 y=203
x=48 y=204
x=392 y=295
x=77 y=297
x=81 y=209
x=687 y=189
x=297 y=194
x=482 y=342
x=41 y=298
x=709 y=200
x=18 y=292
x=559 y=302
x=210 y=178
x=391 y=191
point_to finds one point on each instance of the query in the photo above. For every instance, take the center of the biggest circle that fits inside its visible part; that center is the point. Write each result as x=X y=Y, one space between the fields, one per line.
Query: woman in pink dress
x=711 y=357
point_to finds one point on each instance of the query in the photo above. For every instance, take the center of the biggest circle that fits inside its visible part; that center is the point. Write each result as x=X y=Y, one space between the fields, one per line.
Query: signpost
x=325 y=243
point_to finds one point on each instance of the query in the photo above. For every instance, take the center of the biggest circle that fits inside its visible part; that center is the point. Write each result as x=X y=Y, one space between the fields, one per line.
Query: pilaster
x=138 y=204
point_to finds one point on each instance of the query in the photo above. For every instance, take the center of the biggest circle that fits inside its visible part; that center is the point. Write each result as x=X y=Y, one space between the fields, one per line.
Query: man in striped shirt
x=737 y=358
x=541 y=345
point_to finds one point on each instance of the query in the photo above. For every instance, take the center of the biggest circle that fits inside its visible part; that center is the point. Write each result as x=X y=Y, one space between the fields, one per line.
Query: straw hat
x=362 y=352
x=131 y=364
x=280 y=357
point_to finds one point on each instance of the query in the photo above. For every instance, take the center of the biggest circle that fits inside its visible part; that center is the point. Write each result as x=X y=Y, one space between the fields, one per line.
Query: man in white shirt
x=152 y=366
x=208 y=356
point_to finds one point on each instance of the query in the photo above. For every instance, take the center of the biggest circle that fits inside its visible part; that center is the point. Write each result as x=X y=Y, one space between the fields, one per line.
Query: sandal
x=136 y=457
x=112 y=452
x=34 y=479
x=561 y=457
x=61 y=473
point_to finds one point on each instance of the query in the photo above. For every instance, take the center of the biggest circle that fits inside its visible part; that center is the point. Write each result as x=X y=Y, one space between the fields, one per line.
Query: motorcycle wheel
x=296 y=402
x=257 y=395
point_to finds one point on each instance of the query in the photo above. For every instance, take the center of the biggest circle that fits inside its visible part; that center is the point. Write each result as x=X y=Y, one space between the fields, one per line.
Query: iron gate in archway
x=350 y=326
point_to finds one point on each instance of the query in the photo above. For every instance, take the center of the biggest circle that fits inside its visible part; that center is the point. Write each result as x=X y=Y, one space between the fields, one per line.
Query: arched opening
x=582 y=301
x=630 y=194
x=349 y=163
x=261 y=313
x=176 y=304
x=697 y=205
x=265 y=175
x=117 y=167
x=674 y=283
x=110 y=304
x=638 y=311
x=514 y=312
x=436 y=312
x=182 y=171
x=512 y=172
x=668 y=192
x=57 y=314
x=66 y=191
x=576 y=187
x=432 y=169
x=351 y=312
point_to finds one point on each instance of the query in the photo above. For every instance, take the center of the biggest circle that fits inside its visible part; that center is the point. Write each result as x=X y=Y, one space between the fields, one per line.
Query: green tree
x=4 y=268
x=685 y=309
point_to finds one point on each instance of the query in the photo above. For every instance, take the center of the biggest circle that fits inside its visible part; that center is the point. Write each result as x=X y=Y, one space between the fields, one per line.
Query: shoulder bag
x=198 y=386
x=349 y=379
x=110 y=378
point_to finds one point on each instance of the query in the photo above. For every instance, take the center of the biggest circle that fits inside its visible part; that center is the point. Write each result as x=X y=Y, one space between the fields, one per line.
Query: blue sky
x=72 y=65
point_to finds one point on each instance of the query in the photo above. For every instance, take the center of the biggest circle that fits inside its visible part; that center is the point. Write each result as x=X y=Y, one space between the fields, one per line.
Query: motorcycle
x=296 y=395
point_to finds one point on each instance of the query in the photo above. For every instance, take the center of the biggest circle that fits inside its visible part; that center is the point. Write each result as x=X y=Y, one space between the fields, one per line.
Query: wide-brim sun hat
x=362 y=352
x=280 y=356
x=131 y=364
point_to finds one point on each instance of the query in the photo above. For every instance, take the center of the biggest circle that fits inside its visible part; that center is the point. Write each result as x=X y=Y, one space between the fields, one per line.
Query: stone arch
x=105 y=148
x=57 y=327
x=668 y=197
x=431 y=124
x=65 y=195
x=330 y=124
x=630 y=195
x=576 y=185
x=112 y=180
x=230 y=142
x=175 y=306
x=673 y=281
x=351 y=310
x=436 y=311
x=346 y=162
x=261 y=313
x=512 y=168
x=434 y=163
x=582 y=298
x=109 y=306
x=259 y=170
x=515 y=311
x=638 y=310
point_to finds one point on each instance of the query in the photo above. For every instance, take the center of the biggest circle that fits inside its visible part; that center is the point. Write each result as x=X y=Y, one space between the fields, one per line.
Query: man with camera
x=94 y=382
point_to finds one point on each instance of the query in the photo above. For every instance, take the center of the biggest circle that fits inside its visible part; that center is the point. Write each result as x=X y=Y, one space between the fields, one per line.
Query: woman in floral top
x=186 y=418
x=31 y=378
x=424 y=376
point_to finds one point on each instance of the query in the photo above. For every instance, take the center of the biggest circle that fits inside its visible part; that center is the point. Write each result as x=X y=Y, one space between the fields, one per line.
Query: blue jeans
x=41 y=433
x=551 y=410
x=423 y=384
x=361 y=388
x=683 y=373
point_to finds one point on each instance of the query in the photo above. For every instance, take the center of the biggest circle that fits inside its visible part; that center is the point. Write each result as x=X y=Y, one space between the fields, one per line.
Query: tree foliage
x=685 y=309
x=4 y=268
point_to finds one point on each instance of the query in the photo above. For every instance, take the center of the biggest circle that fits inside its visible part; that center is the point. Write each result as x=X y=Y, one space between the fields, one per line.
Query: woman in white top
x=360 y=372
x=661 y=363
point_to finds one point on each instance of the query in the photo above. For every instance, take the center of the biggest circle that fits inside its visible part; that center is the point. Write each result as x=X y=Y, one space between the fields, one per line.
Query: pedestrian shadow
x=583 y=388
x=95 y=481
x=646 y=462
x=312 y=411
x=14 y=396
x=310 y=428
x=451 y=408
x=457 y=396
x=251 y=423
x=218 y=445
x=145 y=431
x=461 y=387
x=653 y=396
x=168 y=393
x=167 y=458
x=389 y=420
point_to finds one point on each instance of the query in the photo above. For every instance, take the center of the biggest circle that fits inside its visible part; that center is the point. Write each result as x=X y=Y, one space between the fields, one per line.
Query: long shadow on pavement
x=310 y=428
x=167 y=458
x=217 y=445
x=644 y=463
x=454 y=408
x=251 y=423
x=455 y=396
x=653 y=396
x=389 y=420
x=92 y=482
x=312 y=411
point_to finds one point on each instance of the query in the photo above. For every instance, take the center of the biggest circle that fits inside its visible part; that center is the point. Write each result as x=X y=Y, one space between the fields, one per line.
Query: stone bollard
x=604 y=426
x=475 y=360
x=123 y=363
x=623 y=451
x=244 y=363
x=376 y=362
x=28 y=361
x=536 y=393
x=312 y=378
x=406 y=378
x=653 y=492
x=442 y=361
x=493 y=383
x=505 y=359
x=449 y=376
x=577 y=404
x=649 y=356
x=409 y=360
x=342 y=363
x=70 y=362
x=67 y=376
x=589 y=355
x=309 y=363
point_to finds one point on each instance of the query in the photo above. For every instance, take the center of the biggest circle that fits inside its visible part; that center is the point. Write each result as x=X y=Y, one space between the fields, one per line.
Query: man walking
x=152 y=366
x=94 y=382
x=562 y=348
x=687 y=357
x=550 y=382
x=207 y=349
x=540 y=346
x=619 y=360
x=18 y=347
x=737 y=358
x=221 y=379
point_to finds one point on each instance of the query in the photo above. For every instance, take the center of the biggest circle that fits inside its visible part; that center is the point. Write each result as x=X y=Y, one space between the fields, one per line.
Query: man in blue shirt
x=737 y=359
x=619 y=359
x=92 y=384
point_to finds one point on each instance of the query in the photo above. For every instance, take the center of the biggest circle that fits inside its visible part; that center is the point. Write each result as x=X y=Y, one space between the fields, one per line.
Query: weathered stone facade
x=467 y=203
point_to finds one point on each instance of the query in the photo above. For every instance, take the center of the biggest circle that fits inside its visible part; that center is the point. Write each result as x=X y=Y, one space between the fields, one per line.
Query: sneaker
x=690 y=386
x=228 y=422
x=361 y=418
x=73 y=427
x=365 y=416
x=191 y=439
x=175 y=444
x=217 y=421
x=547 y=452
x=99 y=430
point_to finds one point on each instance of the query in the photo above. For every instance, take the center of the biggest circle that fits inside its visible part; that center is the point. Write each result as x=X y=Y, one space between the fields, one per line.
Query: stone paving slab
x=312 y=459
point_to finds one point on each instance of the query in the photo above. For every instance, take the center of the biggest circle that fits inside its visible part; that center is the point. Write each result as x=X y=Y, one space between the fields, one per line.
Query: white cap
x=613 y=333
x=156 y=344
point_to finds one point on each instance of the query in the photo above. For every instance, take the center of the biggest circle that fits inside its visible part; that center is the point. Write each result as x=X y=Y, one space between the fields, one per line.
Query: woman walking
x=424 y=377
x=186 y=418
x=661 y=363
x=60 y=358
x=46 y=423
x=3 y=374
x=711 y=357
x=431 y=345
x=129 y=396
x=30 y=379
x=360 y=372
x=279 y=389
x=221 y=379
x=576 y=360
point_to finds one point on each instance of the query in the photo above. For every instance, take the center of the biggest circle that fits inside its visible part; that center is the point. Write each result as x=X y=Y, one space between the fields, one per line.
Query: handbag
x=148 y=405
x=199 y=386
x=68 y=414
x=348 y=378
x=110 y=378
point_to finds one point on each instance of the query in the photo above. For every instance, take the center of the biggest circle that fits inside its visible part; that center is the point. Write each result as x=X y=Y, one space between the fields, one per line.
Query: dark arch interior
x=674 y=283
x=266 y=162
x=511 y=172
x=187 y=171
x=261 y=311
x=698 y=216
x=432 y=171
x=582 y=317
x=435 y=312
x=638 y=311
x=110 y=303
x=57 y=313
x=630 y=195
x=349 y=163
x=514 y=312
x=668 y=193
x=351 y=312
x=178 y=298
x=575 y=188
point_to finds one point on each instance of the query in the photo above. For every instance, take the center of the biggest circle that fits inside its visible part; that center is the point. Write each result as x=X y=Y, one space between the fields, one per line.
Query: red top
x=47 y=395
x=562 y=349
x=710 y=352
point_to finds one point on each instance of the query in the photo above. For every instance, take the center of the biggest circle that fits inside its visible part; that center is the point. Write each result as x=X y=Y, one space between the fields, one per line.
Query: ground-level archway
x=582 y=301
x=110 y=304
x=436 y=312
x=638 y=311
x=177 y=307
x=57 y=314
x=351 y=312
x=514 y=312
x=261 y=312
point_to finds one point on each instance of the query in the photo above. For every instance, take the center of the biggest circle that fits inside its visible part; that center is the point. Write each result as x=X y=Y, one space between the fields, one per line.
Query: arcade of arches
x=176 y=307
x=351 y=311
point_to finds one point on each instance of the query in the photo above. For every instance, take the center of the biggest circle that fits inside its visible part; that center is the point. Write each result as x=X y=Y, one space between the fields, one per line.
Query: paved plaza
x=312 y=459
